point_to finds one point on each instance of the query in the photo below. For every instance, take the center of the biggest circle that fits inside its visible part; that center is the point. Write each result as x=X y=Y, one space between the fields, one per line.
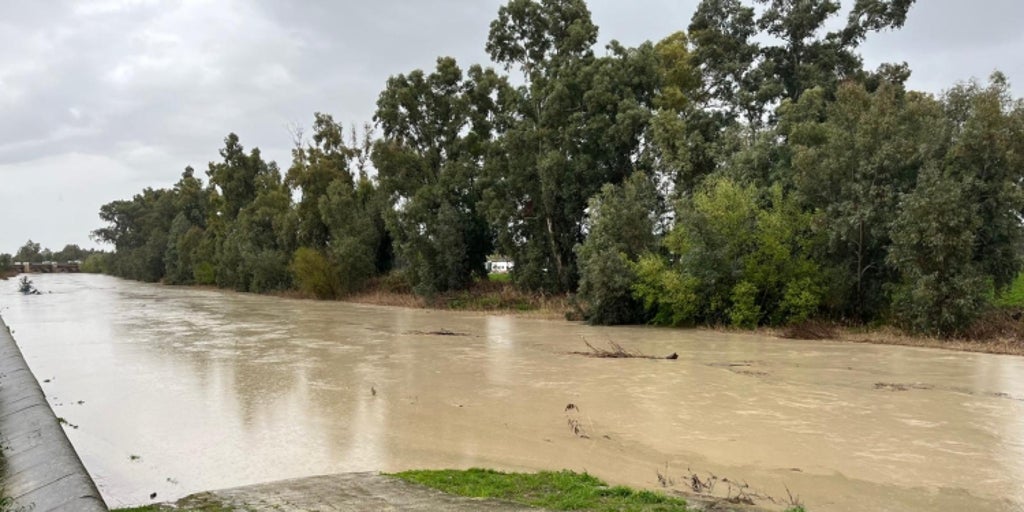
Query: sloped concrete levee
x=42 y=471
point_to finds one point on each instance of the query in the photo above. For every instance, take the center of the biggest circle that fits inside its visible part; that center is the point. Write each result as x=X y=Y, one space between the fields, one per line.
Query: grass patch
x=499 y=278
x=561 y=490
x=1012 y=297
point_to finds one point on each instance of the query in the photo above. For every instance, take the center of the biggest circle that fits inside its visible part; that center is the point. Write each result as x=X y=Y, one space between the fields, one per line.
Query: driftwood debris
x=617 y=352
x=26 y=287
x=439 y=332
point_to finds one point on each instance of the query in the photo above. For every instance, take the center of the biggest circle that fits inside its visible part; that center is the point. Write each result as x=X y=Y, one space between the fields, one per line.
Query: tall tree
x=314 y=168
x=576 y=124
x=942 y=289
x=138 y=230
x=258 y=245
x=251 y=224
x=236 y=177
x=436 y=129
x=752 y=59
x=30 y=252
x=191 y=201
x=853 y=159
x=987 y=158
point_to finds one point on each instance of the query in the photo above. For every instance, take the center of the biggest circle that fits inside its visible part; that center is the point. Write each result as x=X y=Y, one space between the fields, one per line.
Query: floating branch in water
x=439 y=332
x=617 y=352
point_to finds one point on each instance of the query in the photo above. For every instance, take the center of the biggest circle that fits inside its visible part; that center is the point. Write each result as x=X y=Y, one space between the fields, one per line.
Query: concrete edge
x=42 y=470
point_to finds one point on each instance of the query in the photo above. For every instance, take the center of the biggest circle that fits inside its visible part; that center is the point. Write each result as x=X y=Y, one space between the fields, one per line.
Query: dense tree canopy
x=748 y=171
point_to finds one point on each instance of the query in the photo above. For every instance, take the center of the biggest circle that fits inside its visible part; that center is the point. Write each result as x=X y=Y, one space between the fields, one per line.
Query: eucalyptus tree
x=340 y=227
x=138 y=229
x=987 y=159
x=754 y=56
x=942 y=288
x=957 y=238
x=315 y=166
x=853 y=160
x=574 y=124
x=437 y=129
x=191 y=201
x=251 y=221
x=259 y=243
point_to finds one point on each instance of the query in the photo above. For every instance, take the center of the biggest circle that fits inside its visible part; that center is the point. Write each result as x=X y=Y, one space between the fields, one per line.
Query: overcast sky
x=99 y=99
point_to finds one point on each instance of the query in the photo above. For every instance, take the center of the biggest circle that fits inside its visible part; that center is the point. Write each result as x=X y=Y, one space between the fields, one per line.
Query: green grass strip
x=561 y=490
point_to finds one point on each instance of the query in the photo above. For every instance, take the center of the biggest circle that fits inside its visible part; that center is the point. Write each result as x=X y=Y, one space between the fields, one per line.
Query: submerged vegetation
x=748 y=171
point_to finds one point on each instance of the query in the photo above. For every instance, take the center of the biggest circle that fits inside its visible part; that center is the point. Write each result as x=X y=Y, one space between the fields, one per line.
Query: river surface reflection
x=178 y=390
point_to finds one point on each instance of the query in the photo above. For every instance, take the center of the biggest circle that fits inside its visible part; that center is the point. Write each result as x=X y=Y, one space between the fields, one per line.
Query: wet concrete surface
x=41 y=471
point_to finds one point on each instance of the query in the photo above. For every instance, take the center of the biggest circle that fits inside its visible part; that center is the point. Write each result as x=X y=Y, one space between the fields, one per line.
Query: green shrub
x=314 y=274
x=800 y=301
x=735 y=256
x=621 y=229
x=1012 y=297
x=670 y=296
x=744 y=313
x=396 y=281
x=205 y=273
x=96 y=263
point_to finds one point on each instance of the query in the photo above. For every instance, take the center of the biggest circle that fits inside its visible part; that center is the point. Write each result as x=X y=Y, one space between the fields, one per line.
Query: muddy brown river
x=177 y=390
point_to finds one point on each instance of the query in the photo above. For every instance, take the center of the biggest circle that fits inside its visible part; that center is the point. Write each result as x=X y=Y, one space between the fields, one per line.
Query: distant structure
x=499 y=265
x=48 y=267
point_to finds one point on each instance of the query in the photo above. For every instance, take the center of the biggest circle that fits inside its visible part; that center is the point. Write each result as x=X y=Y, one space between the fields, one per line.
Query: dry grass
x=386 y=298
x=489 y=296
x=811 y=330
x=893 y=336
x=1001 y=331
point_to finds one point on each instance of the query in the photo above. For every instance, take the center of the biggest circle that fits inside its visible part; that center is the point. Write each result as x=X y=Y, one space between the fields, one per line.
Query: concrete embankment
x=41 y=470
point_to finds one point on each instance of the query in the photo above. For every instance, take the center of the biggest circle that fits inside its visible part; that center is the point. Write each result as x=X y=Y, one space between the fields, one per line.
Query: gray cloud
x=99 y=99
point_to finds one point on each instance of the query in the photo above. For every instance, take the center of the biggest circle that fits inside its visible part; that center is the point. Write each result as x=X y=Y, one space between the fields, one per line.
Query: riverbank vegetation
x=561 y=490
x=550 y=490
x=748 y=171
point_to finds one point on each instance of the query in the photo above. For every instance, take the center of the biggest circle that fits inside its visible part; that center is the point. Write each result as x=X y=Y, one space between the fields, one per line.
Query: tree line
x=34 y=252
x=746 y=171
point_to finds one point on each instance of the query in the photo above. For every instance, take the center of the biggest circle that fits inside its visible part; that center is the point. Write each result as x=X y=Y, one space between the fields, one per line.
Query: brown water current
x=177 y=390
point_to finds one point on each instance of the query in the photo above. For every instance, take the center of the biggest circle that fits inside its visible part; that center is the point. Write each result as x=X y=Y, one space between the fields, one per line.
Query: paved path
x=344 y=492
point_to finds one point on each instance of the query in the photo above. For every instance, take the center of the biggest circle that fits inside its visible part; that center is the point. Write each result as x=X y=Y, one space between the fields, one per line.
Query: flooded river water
x=177 y=390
